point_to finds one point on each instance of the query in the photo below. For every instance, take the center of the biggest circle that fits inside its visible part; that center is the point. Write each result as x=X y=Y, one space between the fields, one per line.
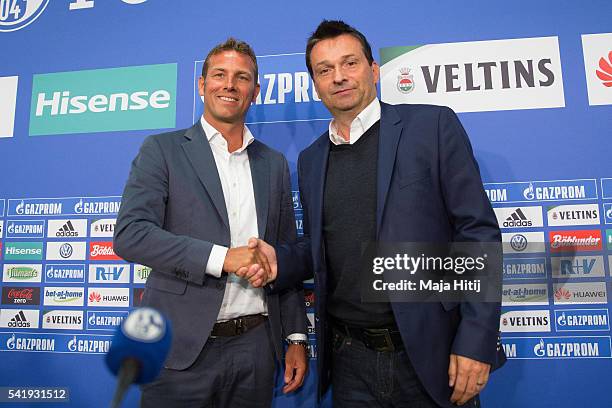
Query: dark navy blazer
x=173 y=212
x=429 y=190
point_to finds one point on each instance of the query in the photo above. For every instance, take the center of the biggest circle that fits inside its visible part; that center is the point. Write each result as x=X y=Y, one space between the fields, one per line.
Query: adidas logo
x=517 y=219
x=19 y=320
x=67 y=230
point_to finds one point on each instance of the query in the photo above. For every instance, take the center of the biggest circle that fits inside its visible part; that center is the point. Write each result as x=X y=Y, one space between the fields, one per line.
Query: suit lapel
x=390 y=132
x=198 y=151
x=319 y=173
x=260 y=174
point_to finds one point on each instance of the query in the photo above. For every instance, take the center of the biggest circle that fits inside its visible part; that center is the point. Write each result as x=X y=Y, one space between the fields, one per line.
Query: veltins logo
x=475 y=76
x=103 y=100
x=63 y=319
x=8 y=102
x=581 y=214
x=525 y=321
x=597 y=51
x=15 y=14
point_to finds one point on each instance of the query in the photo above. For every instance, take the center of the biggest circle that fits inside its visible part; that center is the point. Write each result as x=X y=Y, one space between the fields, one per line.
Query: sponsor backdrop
x=532 y=84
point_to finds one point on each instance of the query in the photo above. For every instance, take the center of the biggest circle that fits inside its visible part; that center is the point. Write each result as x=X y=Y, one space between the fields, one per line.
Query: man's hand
x=259 y=277
x=296 y=366
x=467 y=376
x=250 y=259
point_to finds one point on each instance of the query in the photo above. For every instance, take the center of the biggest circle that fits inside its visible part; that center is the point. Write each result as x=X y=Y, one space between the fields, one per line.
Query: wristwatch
x=303 y=343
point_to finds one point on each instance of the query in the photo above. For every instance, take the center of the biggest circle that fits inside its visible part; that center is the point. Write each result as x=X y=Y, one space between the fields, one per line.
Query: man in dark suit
x=386 y=173
x=192 y=200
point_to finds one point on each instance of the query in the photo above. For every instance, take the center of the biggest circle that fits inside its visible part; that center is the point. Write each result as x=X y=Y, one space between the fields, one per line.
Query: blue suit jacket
x=429 y=190
x=173 y=212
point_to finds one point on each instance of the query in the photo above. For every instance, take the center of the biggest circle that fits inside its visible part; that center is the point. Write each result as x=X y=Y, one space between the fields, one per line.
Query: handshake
x=255 y=262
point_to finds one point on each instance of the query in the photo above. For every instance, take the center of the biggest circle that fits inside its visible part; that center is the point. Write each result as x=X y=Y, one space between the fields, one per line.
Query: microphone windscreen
x=144 y=336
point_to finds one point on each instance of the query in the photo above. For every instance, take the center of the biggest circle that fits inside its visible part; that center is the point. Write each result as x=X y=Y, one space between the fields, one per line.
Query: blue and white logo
x=25 y=229
x=524 y=268
x=557 y=347
x=65 y=273
x=549 y=190
x=607 y=212
x=105 y=320
x=17 y=14
x=65 y=250
x=582 y=320
x=518 y=242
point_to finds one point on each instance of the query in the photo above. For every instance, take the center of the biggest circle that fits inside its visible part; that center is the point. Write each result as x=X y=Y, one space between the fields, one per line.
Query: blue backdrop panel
x=130 y=69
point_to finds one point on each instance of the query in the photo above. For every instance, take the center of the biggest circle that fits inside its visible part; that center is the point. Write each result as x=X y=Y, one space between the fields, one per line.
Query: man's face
x=229 y=87
x=342 y=76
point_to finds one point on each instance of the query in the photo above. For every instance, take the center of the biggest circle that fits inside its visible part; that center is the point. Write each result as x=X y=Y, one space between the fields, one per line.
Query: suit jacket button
x=219 y=285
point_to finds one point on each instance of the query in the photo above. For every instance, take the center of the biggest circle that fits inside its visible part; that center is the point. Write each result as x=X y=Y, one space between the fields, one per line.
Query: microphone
x=138 y=350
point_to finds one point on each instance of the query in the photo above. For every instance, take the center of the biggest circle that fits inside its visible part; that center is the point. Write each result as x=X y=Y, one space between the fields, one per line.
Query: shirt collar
x=366 y=118
x=215 y=138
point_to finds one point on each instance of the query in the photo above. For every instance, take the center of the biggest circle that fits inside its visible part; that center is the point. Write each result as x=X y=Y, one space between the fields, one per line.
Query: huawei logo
x=605 y=71
x=562 y=294
x=94 y=297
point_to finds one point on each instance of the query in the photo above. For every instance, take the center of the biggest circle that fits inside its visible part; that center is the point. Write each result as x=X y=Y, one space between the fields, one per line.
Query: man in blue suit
x=403 y=173
x=192 y=200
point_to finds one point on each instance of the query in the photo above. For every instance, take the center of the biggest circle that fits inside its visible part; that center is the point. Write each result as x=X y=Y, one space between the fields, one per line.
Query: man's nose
x=339 y=75
x=230 y=83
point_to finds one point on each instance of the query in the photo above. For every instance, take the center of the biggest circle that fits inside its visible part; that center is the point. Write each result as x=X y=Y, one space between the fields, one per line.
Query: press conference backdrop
x=83 y=82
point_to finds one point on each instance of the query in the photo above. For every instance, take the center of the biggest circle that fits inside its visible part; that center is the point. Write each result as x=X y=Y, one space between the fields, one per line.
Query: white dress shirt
x=366 y=118
x=240 y=297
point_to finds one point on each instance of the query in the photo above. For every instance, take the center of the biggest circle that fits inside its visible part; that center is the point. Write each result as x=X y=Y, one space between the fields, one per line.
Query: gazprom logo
x=287 y=92
x=17 y=14
x=103 y=100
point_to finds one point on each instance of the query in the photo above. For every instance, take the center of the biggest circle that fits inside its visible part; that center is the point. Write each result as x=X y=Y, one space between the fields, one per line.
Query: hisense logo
x=102 y=100
x=62 y=103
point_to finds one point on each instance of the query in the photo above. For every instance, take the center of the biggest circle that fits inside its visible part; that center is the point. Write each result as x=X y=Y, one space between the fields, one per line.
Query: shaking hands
x=255 y=262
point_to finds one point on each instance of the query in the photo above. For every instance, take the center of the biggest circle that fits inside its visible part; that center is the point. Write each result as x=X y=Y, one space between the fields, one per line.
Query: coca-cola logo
x=24 y=293
x=20 y=296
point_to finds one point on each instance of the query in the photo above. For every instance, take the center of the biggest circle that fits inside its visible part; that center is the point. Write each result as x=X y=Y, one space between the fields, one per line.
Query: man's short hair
x=332 y=29
x=231 y=44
